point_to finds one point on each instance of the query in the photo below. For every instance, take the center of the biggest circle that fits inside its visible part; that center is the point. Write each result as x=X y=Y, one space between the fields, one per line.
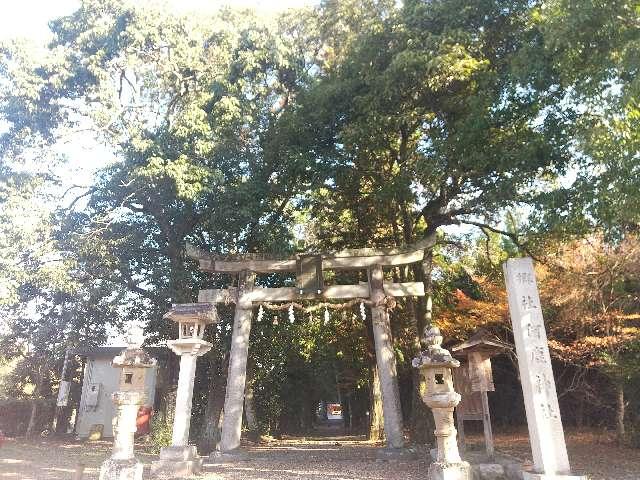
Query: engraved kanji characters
x=528 y=303
x=534 y=331
x=525 y=278
x=538 y=354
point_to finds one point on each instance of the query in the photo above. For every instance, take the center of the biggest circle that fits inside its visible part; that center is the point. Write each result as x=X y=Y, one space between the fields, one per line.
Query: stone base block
x=236 y=455
x=188 y=452
x=498 y=467
x=396 y=454
x=177 y=462
x=176 y=468
x=544 y=476
x=513 y=471
x=450 y=471
x=489 y=471
x=113 y=469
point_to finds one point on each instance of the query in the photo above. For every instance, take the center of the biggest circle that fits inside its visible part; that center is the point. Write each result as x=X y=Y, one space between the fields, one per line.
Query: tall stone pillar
x=237 y=374
x=546 y=434
x=184 y=394
x=386 y=361
x=181 y=459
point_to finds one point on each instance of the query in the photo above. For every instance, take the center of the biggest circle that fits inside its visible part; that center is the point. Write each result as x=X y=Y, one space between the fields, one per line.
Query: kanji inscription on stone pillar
x=538 y=386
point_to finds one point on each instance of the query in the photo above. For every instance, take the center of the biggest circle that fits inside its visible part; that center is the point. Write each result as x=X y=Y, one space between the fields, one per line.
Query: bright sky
x=29 y=18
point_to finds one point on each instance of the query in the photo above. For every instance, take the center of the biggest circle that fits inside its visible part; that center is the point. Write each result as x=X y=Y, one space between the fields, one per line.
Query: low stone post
x=133 y=362
x=435 y=365
x=181 y=459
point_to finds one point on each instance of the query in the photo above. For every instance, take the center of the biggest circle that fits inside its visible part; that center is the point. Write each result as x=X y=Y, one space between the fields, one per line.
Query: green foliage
x=357 y=123
x=161 y=432
x=594 y=46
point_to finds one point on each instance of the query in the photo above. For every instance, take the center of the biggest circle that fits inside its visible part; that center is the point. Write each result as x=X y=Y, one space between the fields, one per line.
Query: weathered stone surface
x=177 y=462
x=450 y=471
x=490 y=471
x=546 y=434
x=237 y=373
x=181 y=459
x=386 y=361
x=193 y=313
x=511 y=466
x=435 y=365
x=117 y=469
x=534 y=362
x=184 y=394
x=177 y=453
x=122 y=464
x=513 y=471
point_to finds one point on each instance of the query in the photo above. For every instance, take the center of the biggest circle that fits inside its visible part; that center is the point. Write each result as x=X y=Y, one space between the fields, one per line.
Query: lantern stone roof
x=434 y=355
x=482 y=341
x=134 y=356
x=193 y=313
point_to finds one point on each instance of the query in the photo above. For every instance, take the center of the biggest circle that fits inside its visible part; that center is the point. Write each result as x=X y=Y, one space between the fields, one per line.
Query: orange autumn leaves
x=590 y=292
x=462 y=314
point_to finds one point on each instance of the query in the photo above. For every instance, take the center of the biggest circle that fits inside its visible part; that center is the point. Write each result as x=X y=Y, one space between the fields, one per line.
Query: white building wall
x=99 y=371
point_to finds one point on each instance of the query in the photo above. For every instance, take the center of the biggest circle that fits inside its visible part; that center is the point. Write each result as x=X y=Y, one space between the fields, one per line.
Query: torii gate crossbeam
x=309 y=269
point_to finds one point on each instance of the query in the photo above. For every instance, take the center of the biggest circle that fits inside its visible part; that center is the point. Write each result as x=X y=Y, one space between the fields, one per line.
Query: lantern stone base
x=544 y=476
x=450 y=471
x=235 y=455
x=177 y=462
x=116 y=469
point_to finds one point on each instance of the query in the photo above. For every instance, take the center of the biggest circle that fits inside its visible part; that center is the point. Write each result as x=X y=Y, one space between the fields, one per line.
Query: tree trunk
x=620 y=407
x=34 y=401
x=580 y=413
x=427 y=271
x=376 y=419
x=62 y=414
x=211 y=430
x=179 y=290
x=32 y=418
x=78 y=397
x=422 y=424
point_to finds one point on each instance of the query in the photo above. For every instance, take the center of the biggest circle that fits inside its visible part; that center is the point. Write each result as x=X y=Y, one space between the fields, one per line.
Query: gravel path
x=329 y=459
x=591 y=454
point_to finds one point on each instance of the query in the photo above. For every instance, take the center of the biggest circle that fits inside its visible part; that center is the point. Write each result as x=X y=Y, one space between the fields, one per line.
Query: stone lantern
x=133 y=363
x=181 y=459
x=435 y=365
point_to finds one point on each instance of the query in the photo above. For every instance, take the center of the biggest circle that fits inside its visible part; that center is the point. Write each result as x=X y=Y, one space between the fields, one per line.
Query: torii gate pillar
x=308 y=272
x=386 y=361
x=237 y=374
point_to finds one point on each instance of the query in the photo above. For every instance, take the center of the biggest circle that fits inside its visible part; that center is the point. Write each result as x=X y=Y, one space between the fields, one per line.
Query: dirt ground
x=591 y=453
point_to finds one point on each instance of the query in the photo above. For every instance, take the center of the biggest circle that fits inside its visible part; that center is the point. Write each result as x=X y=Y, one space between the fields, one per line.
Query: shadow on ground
x=313 y=458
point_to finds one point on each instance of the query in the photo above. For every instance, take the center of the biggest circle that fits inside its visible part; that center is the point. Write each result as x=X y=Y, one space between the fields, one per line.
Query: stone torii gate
x=310 y=286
